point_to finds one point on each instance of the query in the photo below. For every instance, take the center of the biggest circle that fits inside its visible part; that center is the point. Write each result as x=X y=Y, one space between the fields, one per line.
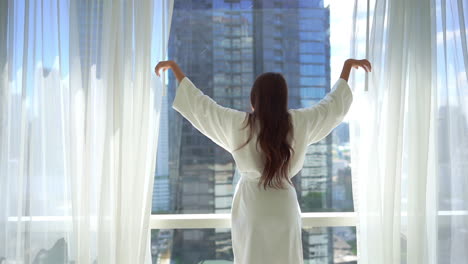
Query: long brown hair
x=269 y=98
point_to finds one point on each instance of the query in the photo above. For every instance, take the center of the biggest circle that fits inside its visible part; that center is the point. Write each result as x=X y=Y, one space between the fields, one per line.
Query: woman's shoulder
x=238 y=117
x=297 y=113
x=299 y=117
x=238 y=114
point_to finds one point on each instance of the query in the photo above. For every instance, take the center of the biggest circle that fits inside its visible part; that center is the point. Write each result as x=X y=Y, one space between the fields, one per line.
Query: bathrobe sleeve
x=323 y=117
x=211 y=119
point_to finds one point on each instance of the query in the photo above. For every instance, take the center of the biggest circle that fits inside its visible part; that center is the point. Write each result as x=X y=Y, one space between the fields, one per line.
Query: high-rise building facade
x=162 y=201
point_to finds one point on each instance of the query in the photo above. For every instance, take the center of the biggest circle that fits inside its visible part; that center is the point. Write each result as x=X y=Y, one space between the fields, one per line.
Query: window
x=316 y=246
x=195 y=178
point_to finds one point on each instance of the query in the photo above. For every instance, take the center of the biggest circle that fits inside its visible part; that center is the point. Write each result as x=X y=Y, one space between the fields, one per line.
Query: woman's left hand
x=163 y=65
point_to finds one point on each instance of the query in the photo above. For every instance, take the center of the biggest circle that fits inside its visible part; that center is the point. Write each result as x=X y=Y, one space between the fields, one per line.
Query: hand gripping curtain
x=79 y=117
x=409 y=131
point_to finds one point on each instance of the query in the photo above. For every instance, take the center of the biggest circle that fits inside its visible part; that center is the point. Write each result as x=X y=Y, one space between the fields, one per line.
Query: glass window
x=317 y=13
x=313 y=47
x=312 y=58
x=212 y=63
x=320 y=245
x=312 y=25
x=311 y=81
x=311 y=35
x=312 y=69
x=222 y=48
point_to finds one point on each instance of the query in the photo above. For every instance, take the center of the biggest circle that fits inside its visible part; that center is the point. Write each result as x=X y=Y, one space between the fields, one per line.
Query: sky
x=341 y=12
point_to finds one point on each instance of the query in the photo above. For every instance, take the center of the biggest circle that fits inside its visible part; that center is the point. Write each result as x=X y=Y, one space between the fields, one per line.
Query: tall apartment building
x=161 y=202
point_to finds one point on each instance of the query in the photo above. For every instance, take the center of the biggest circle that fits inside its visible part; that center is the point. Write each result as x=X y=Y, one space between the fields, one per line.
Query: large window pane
x=222 y=46
x=320 y=245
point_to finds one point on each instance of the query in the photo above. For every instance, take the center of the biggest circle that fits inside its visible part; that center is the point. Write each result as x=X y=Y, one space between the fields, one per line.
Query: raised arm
x=213 y=120
x=324 y=116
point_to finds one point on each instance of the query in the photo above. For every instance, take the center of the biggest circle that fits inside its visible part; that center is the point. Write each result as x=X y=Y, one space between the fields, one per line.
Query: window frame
x=309 y=220
x=202 y=221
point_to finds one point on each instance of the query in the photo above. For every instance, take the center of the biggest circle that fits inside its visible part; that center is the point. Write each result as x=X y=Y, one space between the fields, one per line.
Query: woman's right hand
x=365 y=64
x=164 y=65
x=352 y=63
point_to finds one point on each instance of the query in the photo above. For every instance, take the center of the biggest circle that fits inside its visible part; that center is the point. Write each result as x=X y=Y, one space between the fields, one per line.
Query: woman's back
x=265 y=223
x=310 y=125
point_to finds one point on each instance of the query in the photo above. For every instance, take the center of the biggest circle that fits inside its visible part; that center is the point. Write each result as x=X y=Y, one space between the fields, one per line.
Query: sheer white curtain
x=79 y=117
x=452 y=129
x=409 y=131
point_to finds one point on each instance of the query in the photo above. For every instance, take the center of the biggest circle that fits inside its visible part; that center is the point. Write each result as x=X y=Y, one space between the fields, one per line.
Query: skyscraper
x=162 y=202
x=90 y=18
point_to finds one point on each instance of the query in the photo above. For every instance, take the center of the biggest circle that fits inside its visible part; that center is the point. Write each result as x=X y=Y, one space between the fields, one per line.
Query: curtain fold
x=409 y=131
x=79 y=119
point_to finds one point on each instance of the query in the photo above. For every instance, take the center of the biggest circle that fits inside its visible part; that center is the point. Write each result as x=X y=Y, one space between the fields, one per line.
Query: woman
x=269 y=147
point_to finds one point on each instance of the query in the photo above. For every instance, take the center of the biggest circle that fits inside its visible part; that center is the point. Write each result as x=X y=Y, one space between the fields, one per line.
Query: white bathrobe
x=265 y=224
